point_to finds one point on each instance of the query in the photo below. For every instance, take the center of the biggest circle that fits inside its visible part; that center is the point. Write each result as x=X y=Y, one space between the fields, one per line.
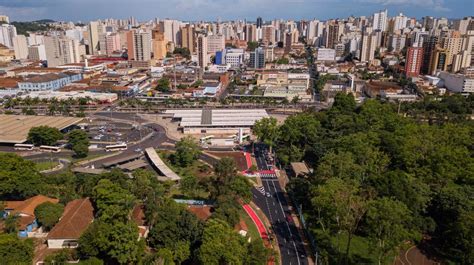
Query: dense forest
x=386 y=176
x=23 y=28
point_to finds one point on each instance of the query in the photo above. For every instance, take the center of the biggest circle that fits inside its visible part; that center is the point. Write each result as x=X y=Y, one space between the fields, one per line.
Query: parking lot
x=103 y=132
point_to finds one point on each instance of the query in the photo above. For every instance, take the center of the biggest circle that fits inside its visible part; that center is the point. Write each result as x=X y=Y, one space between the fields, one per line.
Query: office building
x=94 y=31
x=257 y=58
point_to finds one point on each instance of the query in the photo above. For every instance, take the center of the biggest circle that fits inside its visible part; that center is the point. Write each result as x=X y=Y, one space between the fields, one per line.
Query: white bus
x=116 y=147
x=24 y=147
x=51 y=149
x=205 y=139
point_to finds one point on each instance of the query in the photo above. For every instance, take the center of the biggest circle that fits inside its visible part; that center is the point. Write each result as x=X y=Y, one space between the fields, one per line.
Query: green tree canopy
x=19 y=178
x=14 y=250
x=44 y=135
x=79 y=142
x=187 y=151
x=48 y=214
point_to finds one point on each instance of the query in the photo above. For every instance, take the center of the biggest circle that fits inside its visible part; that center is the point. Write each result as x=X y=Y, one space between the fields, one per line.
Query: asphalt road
x=276 y=208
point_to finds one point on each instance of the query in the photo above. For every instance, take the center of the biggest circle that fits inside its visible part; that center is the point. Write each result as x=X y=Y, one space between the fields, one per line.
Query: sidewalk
x=263 y=217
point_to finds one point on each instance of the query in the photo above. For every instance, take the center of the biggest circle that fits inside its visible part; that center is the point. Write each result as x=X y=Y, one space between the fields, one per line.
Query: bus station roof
x=14 y=128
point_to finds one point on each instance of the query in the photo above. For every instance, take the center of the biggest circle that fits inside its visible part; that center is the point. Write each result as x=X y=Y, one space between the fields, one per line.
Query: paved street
x=270 y=198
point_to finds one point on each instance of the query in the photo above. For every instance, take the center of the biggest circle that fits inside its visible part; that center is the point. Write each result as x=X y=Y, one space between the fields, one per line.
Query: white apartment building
x=20 y=46
x=7 y=33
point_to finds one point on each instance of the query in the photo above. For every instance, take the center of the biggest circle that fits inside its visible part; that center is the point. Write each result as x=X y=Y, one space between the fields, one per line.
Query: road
x=276 y=208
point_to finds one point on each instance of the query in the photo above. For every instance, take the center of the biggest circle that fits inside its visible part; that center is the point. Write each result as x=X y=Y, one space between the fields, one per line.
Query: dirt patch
x=238 y=157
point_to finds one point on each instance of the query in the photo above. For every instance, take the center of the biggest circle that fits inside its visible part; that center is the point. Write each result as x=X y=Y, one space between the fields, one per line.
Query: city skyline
x=211 y=10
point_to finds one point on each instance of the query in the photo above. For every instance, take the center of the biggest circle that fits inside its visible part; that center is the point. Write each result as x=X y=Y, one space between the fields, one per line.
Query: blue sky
x=85 y=10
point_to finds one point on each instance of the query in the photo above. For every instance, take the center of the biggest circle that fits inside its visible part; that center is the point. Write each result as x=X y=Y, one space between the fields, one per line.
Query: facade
x=61 y=50
x=48 y=81
x=457 y=83
x=159 y=45
x=215 y=43
x=7 y=33
x=95 y=29
x=413 y=62
x=257 y=58
x=324 y=54
x=141 y=46
x=37 y=52
x=187 y=38
x=20 y=46
x=379 y=21
x=203 y=57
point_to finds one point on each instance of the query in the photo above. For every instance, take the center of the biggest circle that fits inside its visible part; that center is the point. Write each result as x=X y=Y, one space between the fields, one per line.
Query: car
x=268 y=194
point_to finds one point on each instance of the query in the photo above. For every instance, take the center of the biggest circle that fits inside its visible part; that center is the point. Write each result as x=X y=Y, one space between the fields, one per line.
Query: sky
x=211 y=10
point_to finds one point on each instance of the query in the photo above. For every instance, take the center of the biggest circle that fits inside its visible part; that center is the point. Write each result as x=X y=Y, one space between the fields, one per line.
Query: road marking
x=287 y=225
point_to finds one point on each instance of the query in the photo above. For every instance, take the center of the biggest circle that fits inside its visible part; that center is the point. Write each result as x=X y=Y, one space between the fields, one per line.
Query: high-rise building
x=7 y=33
x=251 y=32
x=453 y=46
x=141 y=46
x=112 y=43
x=379 y=20
x=268 y=34
x=414 y=59
x=257 y=58
x=368 y=46
x=171 y=29
x=95 y=30
x=37 y=52
x=438 y=61
x=215 y=43
x=429 y=47
x=187 y=37
x=20 y=46
x=203 y=57
x=159 y=44
x=61 y=50
x=331 y=35
x=259 y=22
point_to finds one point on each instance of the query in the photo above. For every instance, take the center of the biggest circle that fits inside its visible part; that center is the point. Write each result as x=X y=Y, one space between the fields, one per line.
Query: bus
x=24 y=147
x=116 y=147
x=205 y=139
x=50 y=149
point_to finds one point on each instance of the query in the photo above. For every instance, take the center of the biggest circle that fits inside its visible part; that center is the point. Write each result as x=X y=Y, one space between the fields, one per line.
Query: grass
x=46 y=165
x=253 y=231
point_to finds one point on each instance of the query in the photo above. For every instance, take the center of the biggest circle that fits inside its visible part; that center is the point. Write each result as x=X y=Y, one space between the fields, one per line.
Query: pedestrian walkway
x=260 y=226
x=268 y=176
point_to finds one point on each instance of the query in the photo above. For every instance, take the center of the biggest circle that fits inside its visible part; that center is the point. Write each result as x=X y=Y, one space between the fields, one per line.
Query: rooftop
x=28 y=206
x=15 y=128
x=218 y=117
x=78 y=215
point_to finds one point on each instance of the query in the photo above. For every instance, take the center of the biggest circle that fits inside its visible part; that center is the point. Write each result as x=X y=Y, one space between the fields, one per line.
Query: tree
x=340 y=209
x=79 y=142
x=175 y=229
x=10 y=225
x=44 y=135
x=257 y=253
x=116 y=241
x=221 y=245
x=266 y=130
x=387 y=221
x=19 y=178
x=61 y=257
x=48 y=214
x=112 y=202
x=163 y=85
x=187 y=151
x=252 y=45
x=15 y=251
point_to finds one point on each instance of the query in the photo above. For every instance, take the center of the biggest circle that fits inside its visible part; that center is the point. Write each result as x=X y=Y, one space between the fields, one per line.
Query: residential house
x=25 y=210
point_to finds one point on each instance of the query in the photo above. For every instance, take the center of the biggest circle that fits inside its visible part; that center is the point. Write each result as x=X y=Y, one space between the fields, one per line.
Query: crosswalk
x=268 y=175
x=261 y=189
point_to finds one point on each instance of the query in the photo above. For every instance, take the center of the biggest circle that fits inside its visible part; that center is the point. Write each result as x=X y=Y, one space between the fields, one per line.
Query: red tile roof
x=77 y=216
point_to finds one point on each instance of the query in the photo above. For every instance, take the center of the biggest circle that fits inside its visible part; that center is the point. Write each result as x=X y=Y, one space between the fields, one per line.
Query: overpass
x=160 y=165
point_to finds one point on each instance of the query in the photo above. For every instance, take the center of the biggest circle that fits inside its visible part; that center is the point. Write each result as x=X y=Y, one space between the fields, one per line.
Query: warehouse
x=14 y=128
x=216 y=121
